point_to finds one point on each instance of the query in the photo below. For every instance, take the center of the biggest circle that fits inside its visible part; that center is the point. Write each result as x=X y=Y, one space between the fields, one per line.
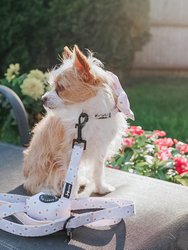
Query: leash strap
x=44 y=214
x=110 y=213
x=69 y=188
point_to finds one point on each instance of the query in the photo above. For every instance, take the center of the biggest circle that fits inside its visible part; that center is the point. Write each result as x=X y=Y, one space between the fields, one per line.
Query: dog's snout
x=44 y=99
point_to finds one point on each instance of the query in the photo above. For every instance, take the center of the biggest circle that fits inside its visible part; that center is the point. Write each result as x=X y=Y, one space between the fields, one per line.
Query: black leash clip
x=69 y=231
x=83 y=118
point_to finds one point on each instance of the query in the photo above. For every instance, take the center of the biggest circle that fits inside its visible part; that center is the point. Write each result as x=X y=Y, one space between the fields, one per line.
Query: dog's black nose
x=44 y=99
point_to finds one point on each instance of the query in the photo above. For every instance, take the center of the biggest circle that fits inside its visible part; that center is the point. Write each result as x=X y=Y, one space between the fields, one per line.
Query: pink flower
x=164 y=142
x=175 y=141
x=164 y=154
x=159 y=133
x=181 y=165
x=128 y=142
x=110 y=166
x=183 y=148
x=136 y=130
x=148 y=136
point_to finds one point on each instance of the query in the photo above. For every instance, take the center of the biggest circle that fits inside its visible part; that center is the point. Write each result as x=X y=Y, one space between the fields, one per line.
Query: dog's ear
x=81 y=64
x=67 y=53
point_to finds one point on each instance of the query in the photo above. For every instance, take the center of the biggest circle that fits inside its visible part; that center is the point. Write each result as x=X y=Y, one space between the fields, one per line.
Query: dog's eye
x=59 y=89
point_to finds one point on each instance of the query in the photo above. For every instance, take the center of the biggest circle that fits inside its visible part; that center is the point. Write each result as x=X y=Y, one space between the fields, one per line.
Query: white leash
x=44 y=214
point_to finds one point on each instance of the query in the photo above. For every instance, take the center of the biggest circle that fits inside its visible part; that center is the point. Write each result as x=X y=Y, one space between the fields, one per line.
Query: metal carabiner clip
x=82 y=120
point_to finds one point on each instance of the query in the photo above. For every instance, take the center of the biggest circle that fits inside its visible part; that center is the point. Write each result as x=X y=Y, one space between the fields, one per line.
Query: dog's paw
x=83 y=181
x=104 y=188
x=87 y=191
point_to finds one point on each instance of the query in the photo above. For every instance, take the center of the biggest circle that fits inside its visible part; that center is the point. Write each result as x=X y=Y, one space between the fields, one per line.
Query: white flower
x=12 y=71
x=35 y=73
x=150 y=148
x=149 y=159
x=33 y=88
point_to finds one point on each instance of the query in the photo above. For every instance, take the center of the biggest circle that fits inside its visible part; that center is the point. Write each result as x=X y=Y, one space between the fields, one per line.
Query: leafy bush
x=115 y=30
x=33 y=32
x=29 y=87
x=152 y=154
x=25 y=36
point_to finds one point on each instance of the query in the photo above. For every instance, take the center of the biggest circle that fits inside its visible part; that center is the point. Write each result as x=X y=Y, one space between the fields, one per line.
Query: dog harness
x=44 y=214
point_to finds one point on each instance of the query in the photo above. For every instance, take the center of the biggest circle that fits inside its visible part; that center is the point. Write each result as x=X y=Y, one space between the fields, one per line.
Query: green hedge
x=34 y=32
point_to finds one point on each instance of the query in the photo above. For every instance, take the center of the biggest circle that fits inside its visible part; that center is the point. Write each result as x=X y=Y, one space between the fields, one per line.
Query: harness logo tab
x=68 y=188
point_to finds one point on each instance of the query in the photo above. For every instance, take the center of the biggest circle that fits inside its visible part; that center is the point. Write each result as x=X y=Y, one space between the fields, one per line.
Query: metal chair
x=19 y=113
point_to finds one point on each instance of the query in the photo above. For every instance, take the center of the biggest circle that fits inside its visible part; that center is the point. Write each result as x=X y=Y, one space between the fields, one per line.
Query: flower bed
x=29 y=87
x=152 y=154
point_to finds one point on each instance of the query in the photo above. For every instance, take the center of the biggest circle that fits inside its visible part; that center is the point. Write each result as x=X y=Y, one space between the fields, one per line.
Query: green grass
x=160 y=103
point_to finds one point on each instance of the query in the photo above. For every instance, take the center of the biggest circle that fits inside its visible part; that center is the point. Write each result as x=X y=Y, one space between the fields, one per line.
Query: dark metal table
x=161 y=221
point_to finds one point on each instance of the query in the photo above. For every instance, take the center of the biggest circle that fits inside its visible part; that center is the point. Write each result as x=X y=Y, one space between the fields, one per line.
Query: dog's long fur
x=80 y=84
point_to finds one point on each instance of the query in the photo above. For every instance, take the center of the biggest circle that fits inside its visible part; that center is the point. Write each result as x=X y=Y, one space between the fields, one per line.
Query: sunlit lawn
x=160 y=103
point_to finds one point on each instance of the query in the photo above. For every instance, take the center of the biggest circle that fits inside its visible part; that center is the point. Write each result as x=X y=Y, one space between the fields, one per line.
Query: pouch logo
x=48 y=198
x=68 y=188
x=103 y=116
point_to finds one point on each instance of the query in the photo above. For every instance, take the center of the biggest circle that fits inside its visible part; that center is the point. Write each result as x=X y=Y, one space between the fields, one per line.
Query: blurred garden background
x=143 y=42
